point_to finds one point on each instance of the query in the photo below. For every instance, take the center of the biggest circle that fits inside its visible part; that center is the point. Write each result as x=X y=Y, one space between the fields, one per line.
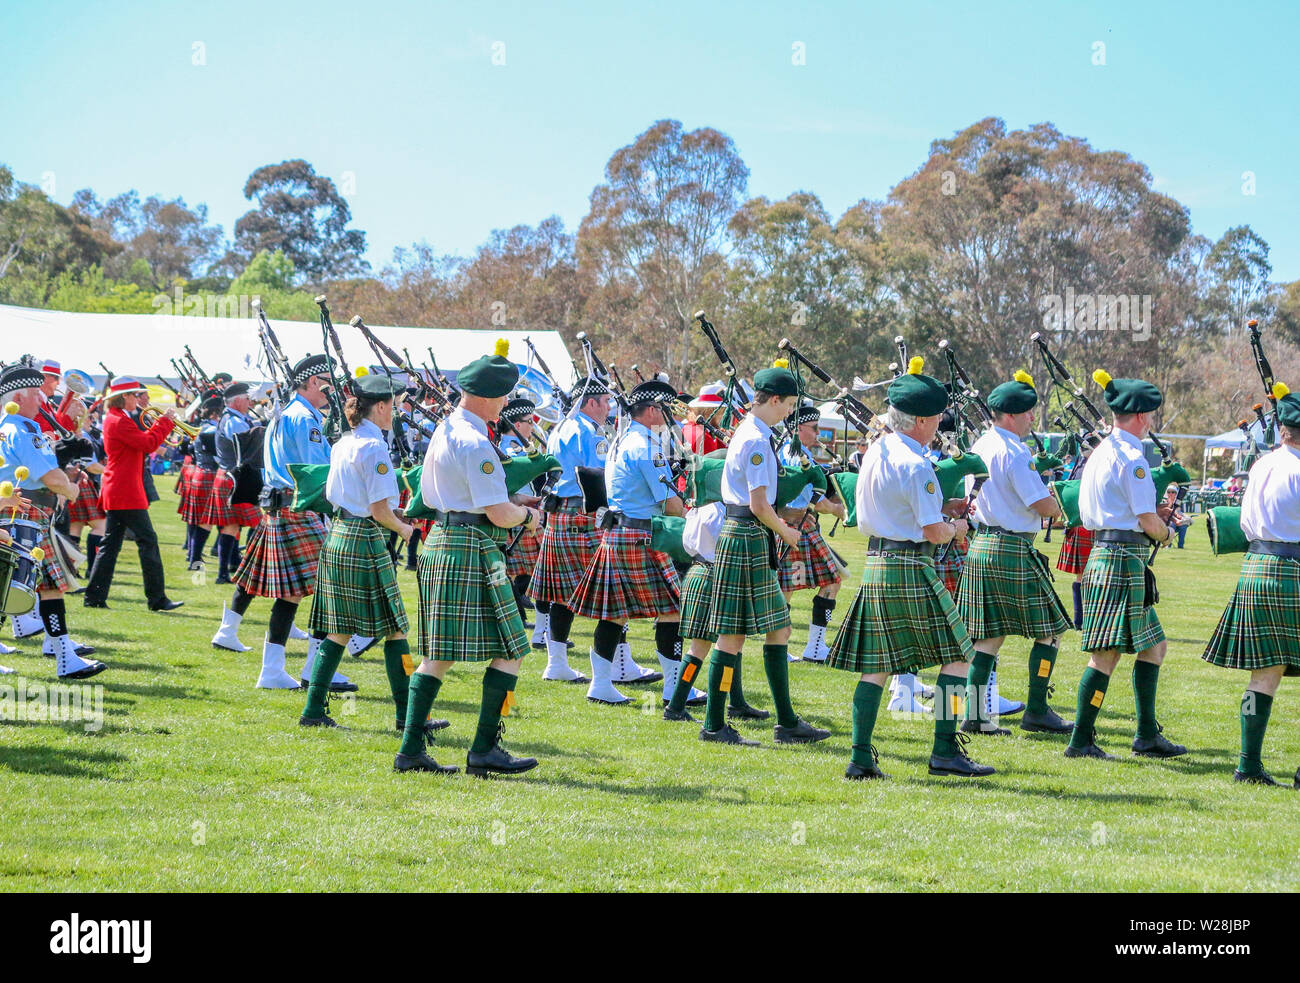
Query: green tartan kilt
x=1260 y=627
x=1006 y=589
x=467 y=607
x=1113 y=591
x=745 y=595
x=356 y=585
x=697 y=597
x=902 y=620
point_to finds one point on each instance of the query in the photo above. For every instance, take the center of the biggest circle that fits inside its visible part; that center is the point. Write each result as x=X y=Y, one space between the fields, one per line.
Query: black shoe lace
x=501 y=732
x=875 y=756
x=960 y=741
x=1051 y=690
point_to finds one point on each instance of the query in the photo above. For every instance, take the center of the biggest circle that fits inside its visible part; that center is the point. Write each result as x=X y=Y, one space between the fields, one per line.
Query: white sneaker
x=602 y=688
x=627 y=671
x=8 y=650
x=227 y=636
x=273 y=675
x=540 y=623
x=297 y=634
x=903 y=695
x=557 y=664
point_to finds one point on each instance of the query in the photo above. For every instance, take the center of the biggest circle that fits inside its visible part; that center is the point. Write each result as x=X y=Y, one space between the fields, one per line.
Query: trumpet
x=150 y=415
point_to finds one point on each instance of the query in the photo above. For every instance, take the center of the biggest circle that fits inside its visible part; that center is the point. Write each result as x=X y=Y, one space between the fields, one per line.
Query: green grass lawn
x=198 y=782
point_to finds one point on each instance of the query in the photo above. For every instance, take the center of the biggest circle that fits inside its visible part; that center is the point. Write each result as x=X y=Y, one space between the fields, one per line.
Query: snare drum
x=27 y=535
x=18 y=576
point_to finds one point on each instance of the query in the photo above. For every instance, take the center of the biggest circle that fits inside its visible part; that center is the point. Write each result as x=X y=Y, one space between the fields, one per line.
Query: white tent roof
x=1235 y=438
x=141 y=344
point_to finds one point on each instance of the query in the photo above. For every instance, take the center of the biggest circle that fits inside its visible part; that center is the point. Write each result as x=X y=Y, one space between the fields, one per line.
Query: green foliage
x=90 y=291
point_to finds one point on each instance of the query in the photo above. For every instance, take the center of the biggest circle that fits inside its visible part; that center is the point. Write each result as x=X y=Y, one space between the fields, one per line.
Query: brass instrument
x=150 y=415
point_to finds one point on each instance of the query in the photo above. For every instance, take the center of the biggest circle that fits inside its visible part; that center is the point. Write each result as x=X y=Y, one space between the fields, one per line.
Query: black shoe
x=801 y=732
x=85 y=672
x=1296 y=782
x=746 y=712
x=348 y=687
x=88 y=603
x=222 y=580
x=196 y=565
x=1045 y=723
x=421 y=762
x=697 y=701
x=539 y=646
x=167 y=605
x=325 y=721
x=959 y=764
x=671 y=714
x=416 y=568
x=497 y=760
x=856 y=772
x=84 y=650
x=1157 y=747
x=985 y=727
x=1263 y=778
x=429 y=727
x=726 y=735
x=1091 y=750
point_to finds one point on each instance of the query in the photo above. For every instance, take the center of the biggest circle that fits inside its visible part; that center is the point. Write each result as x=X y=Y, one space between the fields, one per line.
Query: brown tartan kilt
x=568 y=545
x=218 y=511
x=282 y=554
x=811 y=565
x=51 y=573
x=198 y=489
x=86 y=508
x=523 y=556
x=627 y=579
x=1075 y=550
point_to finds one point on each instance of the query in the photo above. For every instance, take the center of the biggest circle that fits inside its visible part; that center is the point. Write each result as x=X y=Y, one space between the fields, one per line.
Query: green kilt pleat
x=1113 y=591
x=467 y=607
x=745 y=594
x=1260 y=627
x=1006 y=589
x=697 y=597
x=903 y=619
x=356 y=585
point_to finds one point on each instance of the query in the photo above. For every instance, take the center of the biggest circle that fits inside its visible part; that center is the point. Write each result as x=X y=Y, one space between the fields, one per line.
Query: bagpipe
x=336 y=423
x=960 y=463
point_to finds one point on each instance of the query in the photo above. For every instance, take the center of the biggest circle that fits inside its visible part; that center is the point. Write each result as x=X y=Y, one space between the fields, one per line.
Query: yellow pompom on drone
x=781 y=363
x=361 y=371
x=1023 y=376
x=502 y=347
x=1102 y=378
x=38 y=554
x=915 y=365
x=1281 y=389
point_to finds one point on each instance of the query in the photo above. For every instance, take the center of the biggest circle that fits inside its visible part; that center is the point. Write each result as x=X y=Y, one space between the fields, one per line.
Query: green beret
x=916 y=394
x=1016 y=396
x=778 y=380
x=377 y=387
x=1288 y=410
x=491 y=376
x=1128 y=396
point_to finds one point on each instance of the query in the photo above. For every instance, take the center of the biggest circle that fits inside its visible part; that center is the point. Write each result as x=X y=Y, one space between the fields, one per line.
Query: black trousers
x=146 y=543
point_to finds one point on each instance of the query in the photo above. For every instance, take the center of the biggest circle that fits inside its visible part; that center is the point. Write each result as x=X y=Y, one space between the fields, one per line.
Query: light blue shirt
x=792 y=460
x=23 y=445
x=232 y=422
x=577 y=442
x=298 y=437
x=512 y=445
x=640 y=479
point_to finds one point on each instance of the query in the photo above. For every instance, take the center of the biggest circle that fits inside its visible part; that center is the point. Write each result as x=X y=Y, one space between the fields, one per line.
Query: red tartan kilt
x=424 y=525
x=627 y=579
x=86 y=508
x=217 y=510
x=568 y=545
x=198 y=489
x=523 y=557
x=1075 y=550
x=182 y=485
x=950 y=567
x=811 y=565
x=282 y=554
x=51 y=577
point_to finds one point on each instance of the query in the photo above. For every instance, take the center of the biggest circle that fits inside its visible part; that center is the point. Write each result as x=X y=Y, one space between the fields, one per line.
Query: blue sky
x=443 y=145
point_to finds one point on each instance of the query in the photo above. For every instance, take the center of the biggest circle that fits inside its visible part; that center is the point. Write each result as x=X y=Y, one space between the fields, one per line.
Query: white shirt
x=1012 y=485
x=751 y=462
x=1270 y=506
x=462 y=471
x=361 y=471
x=898 y=491
x=1116 y=485
x=703 y=526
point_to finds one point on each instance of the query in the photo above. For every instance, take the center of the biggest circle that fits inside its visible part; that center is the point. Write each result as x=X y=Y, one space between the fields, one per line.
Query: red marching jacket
x=125 y=448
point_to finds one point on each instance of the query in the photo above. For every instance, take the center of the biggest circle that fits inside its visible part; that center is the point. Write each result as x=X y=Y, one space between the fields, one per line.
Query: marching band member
x=1117 y=501
x=1006 y=587
x=202 y=475
x=700 y=539
x=356 y=585
x=1260 y=629
x=626 y=578
x=26 y=450
x=810 y=565
x=229 y=519
x=746 y=594
x=51 y=374
x=86 y=510
x=903 y=619
x=704 y=406
x=467 y=610
x=516 y=429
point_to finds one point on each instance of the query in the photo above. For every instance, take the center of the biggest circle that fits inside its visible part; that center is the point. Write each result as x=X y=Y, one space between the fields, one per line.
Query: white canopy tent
x=141 y=344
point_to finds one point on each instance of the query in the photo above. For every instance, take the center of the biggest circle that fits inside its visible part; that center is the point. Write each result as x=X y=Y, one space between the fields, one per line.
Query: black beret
x=235 y=389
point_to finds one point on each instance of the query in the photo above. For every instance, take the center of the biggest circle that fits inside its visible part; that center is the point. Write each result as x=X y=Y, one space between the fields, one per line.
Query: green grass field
x=199 y=782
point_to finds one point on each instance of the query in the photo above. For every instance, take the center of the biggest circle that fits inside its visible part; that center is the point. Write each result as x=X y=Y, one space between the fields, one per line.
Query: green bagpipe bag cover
x=309 y=488
x=1066 y=494
x=666 y=537
x=519 y=471
x=1224 y=525
x=791 y=481
x=847 y=483
x=704 y=480
x=953 y=471
x=1165 y=475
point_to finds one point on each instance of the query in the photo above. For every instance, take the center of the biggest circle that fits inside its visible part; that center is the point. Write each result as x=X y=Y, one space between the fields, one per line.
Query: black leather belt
x=1123 y=536
x=1001 y=531
x=878 y=544
x=272 y=499
x=740 y=512
x=459 y=518
x=619 y=519
x=1290 y=550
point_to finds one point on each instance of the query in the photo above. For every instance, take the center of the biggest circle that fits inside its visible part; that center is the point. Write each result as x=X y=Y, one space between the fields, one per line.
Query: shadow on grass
x=732 y=795
x=60 y=761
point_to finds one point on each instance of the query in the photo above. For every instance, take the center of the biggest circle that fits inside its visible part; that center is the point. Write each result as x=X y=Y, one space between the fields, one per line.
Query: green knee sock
x=722 y=672
x=949 y=691
x=977 y=682
x=396 y=659
x=1255 y=708
x=866 y=704
x=689 y=674
x=498 y=690
x=1145 y=676
x=1042 y=659
x=422 y=691
x=1092 y=690
x=328 y=657
x=736 y=695
x=776 y=663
